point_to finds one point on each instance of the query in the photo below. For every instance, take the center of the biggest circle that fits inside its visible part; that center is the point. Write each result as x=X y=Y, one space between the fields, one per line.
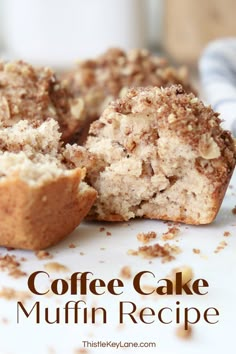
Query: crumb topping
x=159 y=152
x=35 y=94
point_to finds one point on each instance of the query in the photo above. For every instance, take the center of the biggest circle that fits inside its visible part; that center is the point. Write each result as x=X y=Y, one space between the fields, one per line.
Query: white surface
x=218 y=269
x=58 y=32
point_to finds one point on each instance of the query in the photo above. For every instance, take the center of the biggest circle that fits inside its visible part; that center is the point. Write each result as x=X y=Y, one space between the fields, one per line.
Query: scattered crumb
x=166 y=252
x=227 y=233
x=132 y=252
x=102 y=229
x=42 y=254
x=4 y=320
x=171 y=233
x=108 y=233
x=81 y=351
x=82 y=253
x=234 y=210
x=196 y=250
x=146 y=237
x=102 y=248
x=55 y=267
x=125 y=272
x=17 y=273
x=221 y=246
x=72 y=245
x=10 y=248
x=10 y=264
x=183 y=333
x=187 y=274
x=12 y=294
x=101 y=261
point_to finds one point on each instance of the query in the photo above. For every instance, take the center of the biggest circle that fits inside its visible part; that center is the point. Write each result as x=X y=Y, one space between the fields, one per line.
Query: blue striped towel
x=217 y=69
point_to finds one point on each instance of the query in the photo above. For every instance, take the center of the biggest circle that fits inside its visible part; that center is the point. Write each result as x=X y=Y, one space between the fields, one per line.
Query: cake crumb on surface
x=55 y=267
x=234 y=210
x=227 y=233
x=12 y=294
x=10 y=264
x=108 y=233
x=196 y=250
x=72 y=245
x=146 y=237
x=42 y=254
x=183 y=333
x=81 y=351
x=221 y=246
x=167 y=252
x=132 y=252
x=125 y=272
x=187 y=273
x=171 y=233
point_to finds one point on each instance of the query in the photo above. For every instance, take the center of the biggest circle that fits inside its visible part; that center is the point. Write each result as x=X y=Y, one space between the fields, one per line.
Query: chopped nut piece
x=78 y=108
x=146 y=237
x=171 y=118
x=208 y=148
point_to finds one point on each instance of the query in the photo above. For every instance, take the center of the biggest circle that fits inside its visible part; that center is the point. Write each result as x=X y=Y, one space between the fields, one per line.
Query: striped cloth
x=217 y=69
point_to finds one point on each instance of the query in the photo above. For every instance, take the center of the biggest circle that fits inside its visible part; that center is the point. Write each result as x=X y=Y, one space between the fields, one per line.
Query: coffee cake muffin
x=35 y=94
x=160 y=154
x=107 y=77
x=43 y=196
